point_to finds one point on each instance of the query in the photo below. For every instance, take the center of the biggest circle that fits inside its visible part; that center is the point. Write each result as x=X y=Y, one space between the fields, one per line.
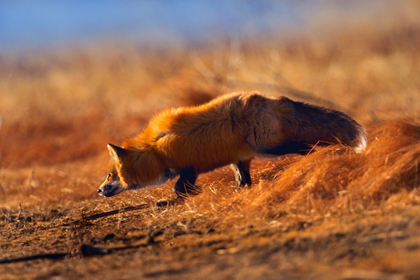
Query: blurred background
x=36 y=25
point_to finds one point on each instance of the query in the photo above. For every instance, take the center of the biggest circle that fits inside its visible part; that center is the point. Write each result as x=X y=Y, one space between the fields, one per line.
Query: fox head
x=132 y=169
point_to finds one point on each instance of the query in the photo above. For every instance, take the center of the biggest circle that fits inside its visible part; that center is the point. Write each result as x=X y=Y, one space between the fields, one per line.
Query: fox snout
x=110 y=188
x=106 y=190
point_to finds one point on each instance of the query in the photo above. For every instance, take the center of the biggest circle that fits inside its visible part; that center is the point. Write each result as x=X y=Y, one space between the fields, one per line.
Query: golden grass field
x=332 y=214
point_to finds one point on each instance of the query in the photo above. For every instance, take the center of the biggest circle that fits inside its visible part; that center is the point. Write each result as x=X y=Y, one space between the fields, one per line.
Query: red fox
x=230 y=129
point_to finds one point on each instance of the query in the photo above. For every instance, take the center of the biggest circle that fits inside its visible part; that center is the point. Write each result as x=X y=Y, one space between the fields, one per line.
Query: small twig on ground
x=105 y=214
x=118 y=211
x=87 y=250
x=53 y=256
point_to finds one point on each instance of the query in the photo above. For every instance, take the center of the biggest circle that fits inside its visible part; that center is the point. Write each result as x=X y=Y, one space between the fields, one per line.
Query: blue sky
x=26 y=24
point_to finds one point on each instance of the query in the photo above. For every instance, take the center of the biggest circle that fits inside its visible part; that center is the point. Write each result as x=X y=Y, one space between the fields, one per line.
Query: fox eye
x=109 y=177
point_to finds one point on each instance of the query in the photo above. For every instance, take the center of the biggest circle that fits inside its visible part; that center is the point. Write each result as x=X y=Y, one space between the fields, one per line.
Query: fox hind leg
x=242 y=176
x=185 y=184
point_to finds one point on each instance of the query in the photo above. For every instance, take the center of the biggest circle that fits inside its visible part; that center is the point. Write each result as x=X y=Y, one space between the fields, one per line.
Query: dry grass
x=310 y=216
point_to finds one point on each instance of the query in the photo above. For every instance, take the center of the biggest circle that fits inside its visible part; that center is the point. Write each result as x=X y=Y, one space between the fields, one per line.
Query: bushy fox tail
x=315 y=124
x=285 y=126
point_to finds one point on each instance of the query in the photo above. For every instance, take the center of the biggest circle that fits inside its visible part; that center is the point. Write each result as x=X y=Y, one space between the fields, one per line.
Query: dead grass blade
x=105 y=214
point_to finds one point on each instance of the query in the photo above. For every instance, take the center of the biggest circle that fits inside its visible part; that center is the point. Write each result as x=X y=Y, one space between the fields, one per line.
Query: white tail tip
x=362 y=142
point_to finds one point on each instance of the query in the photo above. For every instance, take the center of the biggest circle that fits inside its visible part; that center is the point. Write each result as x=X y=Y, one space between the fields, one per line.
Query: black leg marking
x=290 y=147
x=242 y=175
x=185 y=184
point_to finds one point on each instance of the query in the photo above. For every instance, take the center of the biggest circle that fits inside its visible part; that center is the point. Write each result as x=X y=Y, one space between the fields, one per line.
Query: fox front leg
x=185 y=184
x=242 y=176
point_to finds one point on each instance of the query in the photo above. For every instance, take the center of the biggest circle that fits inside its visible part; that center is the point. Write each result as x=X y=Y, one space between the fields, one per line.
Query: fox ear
x=116 y=152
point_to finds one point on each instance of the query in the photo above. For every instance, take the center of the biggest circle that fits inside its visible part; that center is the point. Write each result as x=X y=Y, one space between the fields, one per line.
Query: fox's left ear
x=116 y=152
